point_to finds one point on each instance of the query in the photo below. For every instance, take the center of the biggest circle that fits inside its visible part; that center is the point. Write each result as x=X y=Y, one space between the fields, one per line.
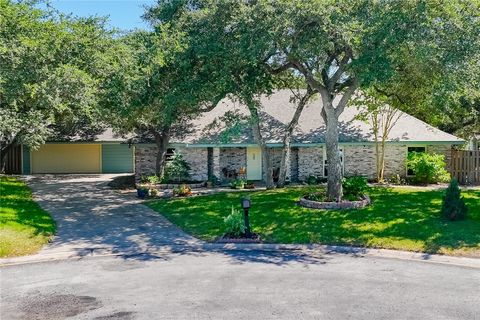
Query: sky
x=123 y=14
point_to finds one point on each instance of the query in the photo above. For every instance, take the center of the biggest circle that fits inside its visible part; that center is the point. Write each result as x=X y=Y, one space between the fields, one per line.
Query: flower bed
x=345 y=204
x=163 y=186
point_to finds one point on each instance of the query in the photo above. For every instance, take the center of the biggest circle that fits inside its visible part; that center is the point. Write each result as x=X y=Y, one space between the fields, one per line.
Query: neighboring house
x=218 y=141
x=105 y=154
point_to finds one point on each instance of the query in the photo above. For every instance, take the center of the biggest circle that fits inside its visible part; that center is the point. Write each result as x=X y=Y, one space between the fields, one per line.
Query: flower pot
x=142 y=193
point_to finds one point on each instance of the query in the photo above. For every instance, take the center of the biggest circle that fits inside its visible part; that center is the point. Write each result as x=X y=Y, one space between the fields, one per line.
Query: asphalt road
x=236 y=285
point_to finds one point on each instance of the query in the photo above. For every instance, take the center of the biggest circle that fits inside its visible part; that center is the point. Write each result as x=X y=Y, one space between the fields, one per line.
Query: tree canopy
x=50 y=68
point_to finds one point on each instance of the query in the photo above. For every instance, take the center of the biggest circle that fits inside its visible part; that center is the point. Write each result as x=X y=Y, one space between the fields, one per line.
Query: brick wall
x=145 y=157
x=310 y=162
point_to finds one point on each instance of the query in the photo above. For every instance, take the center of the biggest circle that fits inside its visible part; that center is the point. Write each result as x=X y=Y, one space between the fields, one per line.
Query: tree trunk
x=287 y=138
x=286 y=150
x=5 y=148
x=334 y=179
x=161 y=139
x=257 y=133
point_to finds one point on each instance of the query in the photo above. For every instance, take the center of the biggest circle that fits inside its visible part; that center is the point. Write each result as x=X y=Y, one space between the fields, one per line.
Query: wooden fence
x=13 y=163
x=465 y=166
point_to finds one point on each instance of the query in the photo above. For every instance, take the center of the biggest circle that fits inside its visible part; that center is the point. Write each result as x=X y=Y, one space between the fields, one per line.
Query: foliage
x=335 y=47
x=319 y=195
x=153 y=179
x=428 y=167
x=24 y=226
x=396 y=180
x=51 y=68
x=312 y=180
x=234 y=223
x=177 y=169
x=238 y=183
x=403 y=218
x=182 y=190
x=354 y=187
x=453 y=206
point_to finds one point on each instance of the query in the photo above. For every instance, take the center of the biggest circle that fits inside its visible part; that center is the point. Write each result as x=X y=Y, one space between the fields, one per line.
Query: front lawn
x=24 y=226
x=400 y=218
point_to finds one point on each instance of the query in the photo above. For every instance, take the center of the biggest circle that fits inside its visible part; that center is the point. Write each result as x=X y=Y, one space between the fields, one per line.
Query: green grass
x=24 y=226
x=400 y=218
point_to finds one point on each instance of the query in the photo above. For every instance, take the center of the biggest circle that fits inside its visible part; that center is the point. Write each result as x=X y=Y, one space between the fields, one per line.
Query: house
x=107 y=153
x=221 y=141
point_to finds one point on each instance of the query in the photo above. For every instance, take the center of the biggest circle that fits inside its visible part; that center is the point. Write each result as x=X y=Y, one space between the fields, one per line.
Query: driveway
x=91 y=215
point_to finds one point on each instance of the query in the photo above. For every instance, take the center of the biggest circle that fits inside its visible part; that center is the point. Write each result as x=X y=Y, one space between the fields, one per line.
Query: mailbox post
x=246 y=205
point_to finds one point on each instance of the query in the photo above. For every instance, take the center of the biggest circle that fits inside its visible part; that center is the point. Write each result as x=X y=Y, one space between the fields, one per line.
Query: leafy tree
x=341 y=46
x=382 y=117
x=50 y=70
x=156 y=86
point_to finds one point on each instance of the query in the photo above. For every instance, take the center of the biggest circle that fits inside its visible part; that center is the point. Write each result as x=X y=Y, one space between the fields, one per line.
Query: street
x=239 y=285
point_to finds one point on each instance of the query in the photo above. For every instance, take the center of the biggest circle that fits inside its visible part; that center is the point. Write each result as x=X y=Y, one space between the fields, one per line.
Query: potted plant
x=142 y=191
x=237 y=184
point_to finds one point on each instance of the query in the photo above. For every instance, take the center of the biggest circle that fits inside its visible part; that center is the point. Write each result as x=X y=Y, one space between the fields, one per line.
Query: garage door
x=67 y=158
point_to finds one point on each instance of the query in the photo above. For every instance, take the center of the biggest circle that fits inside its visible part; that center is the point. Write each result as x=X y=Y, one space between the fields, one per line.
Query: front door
x=254 y=163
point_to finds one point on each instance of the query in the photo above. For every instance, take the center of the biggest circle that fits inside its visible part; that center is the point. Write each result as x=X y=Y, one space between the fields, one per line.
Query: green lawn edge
x=401 y=218
x=24 y=226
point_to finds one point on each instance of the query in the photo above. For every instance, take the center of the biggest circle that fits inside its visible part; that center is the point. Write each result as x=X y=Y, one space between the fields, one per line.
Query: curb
x=80 y=253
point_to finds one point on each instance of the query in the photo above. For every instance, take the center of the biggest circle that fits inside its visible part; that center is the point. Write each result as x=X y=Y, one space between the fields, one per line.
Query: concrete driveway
x=91 y=215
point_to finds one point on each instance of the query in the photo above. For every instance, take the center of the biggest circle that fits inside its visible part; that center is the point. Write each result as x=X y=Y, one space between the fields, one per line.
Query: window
x=325 y=163
x=414 y=149
x=169 y=154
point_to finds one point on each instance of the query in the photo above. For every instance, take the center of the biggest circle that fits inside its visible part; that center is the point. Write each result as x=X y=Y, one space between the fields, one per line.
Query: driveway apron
x=90 y=215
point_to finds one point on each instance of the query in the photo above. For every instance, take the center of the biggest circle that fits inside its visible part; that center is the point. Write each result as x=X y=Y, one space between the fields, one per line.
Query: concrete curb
x=80 y=253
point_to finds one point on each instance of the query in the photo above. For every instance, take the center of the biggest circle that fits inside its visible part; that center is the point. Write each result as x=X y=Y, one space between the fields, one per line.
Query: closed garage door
x=117 y=158
x=67 y=158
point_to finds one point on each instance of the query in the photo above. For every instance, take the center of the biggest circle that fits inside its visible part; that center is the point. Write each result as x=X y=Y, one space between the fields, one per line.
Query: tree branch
x=346 y=97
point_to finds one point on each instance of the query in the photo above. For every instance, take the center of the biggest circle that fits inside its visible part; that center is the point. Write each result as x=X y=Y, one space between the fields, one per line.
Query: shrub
x=453 y=206
x=396 y=180
x=153 y=179
x=311 y=180
x=237 y=184
x=320 y=196
x=177 y=169
x=234 y=223
x=182 y=190
x=428 y=167
x=354 y=187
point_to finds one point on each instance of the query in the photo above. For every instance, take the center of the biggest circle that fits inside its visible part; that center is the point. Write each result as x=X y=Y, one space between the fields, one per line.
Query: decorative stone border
x=164 y=186
x=335 y=205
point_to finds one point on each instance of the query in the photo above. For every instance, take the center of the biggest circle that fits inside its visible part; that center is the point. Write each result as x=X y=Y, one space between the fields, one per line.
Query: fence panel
x=465 y=166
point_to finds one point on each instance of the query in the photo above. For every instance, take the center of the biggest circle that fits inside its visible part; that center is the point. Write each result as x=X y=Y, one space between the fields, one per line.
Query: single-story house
x=106 y=153
x=221 y=140
x=218 y=142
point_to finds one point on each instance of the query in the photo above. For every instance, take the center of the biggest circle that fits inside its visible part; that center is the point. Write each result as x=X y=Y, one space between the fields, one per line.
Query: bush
x=177 y=169
x=311 y=180
x=453 y=206
x=320 y=196
x=234 y=223
x=153 y=179
x=354 y=187
x=396 y=180
x=237 y=184
x=428 y=167
x=182 y=190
